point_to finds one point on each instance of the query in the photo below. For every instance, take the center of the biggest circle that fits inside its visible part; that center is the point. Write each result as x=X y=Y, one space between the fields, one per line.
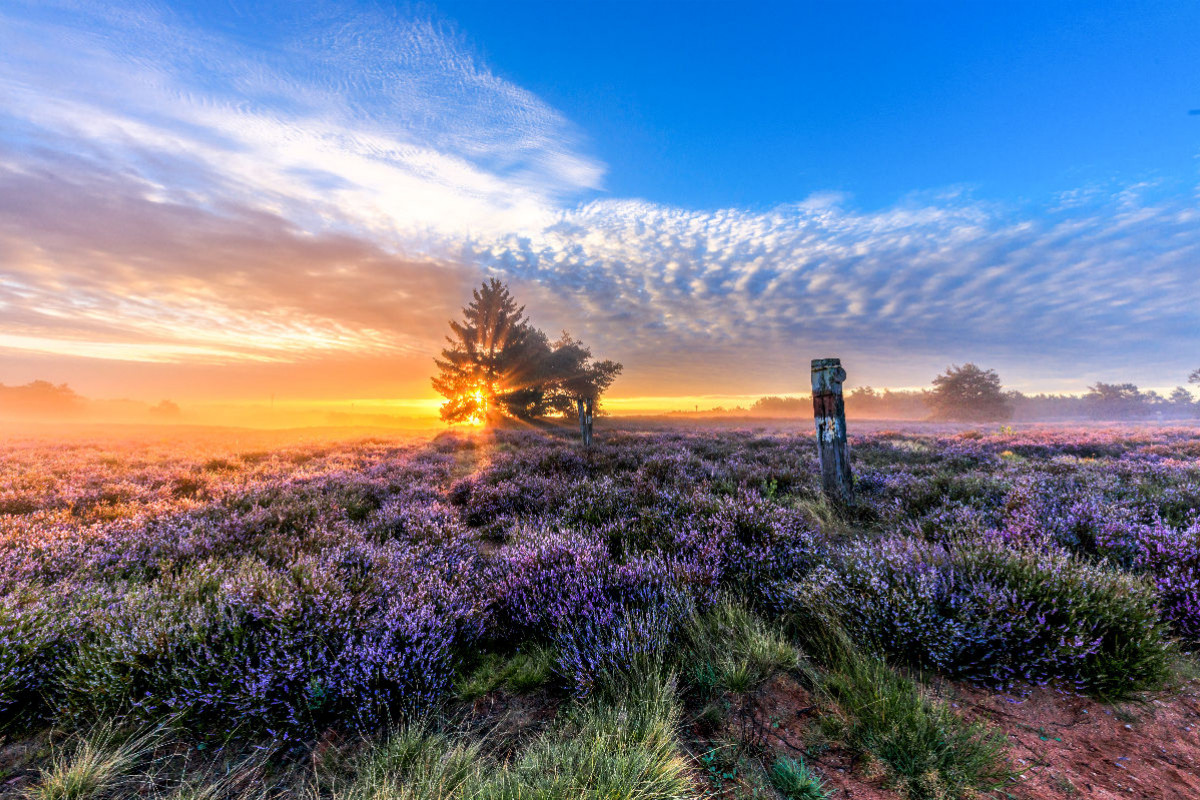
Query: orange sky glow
x=278 y=232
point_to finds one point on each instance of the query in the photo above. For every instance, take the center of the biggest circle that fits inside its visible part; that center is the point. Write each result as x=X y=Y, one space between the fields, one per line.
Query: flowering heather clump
x=287 y=589
x=998 y=616
x=606 y=645
x=1117 y=497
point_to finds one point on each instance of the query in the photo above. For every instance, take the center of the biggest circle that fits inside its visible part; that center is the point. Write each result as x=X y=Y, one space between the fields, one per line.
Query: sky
x=233 y=201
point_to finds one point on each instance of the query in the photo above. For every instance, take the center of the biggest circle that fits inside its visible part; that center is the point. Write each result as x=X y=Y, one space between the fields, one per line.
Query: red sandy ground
x=1071 y=747
x=1062 y=747
x=785 y=710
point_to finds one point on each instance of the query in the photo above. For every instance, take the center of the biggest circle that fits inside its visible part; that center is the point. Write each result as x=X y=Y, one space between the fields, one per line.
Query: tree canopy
x=498 y=365
x=969 y=393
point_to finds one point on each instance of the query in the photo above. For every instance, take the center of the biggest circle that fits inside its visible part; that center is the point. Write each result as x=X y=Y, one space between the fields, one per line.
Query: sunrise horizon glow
x=283 y=207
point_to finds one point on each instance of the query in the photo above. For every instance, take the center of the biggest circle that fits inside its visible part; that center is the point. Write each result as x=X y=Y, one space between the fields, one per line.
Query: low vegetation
x=343 y=619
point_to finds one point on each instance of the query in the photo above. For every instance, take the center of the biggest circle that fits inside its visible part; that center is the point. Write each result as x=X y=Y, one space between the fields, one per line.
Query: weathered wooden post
x=829 y=409
x=585 y=420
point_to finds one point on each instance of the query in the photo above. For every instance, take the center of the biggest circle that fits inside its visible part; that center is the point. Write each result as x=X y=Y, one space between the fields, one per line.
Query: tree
x=1111 y=400
x=1194 y=377
x=42 y=399
x=1180 y=397
x=968 y=393
x=573 y=375
x=499 y=365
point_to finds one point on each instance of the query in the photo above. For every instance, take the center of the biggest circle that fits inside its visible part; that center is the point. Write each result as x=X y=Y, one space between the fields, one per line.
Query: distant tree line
x=45 y=401
x=40 y=398
x=969 y=393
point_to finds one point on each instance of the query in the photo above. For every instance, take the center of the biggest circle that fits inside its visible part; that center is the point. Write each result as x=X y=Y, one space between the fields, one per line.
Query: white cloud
x=310 y=188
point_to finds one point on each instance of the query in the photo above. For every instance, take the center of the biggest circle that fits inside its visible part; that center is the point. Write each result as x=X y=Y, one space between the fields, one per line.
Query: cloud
x=1112 y=279
x=92 y=265
x=170 y=192
x=362 y=120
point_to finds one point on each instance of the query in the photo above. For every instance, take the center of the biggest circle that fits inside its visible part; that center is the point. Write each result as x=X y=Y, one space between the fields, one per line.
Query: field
x=672 y=613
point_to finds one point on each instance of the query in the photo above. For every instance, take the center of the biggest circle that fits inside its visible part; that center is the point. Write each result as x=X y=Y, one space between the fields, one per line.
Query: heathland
x=669 y=613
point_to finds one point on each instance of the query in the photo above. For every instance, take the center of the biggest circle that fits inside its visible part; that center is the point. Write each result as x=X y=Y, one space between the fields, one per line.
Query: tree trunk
x=585 y=420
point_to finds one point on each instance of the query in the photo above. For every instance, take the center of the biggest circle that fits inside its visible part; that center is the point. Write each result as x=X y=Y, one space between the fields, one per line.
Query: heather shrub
x=355 y=635
x=34 y=632
x=343 y=585
x=1171 y=557
x=748 y=546
x=999 y=616
x=609 y=646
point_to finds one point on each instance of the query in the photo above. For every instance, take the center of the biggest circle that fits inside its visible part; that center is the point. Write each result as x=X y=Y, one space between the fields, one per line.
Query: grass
x=795 y=781
x=415 y=764
x=605 y=750
x=730 y=649
x=95 y=763
x=613 y=748
x=1185 y=668
x=925 y=748
x=928 y=751
x=519 y=673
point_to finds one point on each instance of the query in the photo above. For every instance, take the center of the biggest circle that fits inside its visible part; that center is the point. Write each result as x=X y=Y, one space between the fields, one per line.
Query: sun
x=480 y=415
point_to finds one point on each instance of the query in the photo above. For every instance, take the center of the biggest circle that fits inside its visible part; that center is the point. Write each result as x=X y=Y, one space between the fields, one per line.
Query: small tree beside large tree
x=968 y=394
x=498 y=365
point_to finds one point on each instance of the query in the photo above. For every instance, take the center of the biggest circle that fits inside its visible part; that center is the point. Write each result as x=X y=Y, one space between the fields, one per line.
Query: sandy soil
x=1067 y=747
x=1061 y=746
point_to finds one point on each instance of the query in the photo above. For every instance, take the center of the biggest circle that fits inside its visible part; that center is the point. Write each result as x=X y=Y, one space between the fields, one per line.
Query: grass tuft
x=728 y=648
x=95 y=763
x=795 y=781
x=519 y=673
x=929 y=752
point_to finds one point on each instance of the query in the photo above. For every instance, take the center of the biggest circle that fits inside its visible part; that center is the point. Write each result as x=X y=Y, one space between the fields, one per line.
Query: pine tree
x=498 y=364
x=487 y=366
x=968 y=393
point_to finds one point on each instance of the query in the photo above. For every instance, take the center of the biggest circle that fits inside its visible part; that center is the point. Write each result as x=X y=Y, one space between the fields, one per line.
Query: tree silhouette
x=572 y=375
x=499 y=365
x=1116 y=400
x=968 y=393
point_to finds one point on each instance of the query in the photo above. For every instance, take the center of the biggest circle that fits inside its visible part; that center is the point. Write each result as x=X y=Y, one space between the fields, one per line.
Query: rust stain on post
x=829 y=411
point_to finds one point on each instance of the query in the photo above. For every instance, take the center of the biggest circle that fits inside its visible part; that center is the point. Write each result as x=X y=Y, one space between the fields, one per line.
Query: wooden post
x=829 y=410
x=585 y=420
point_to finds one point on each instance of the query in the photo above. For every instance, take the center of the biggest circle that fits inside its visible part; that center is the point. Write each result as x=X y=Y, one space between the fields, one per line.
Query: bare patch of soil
x=508 y=721
x=781 y=719
x=1067 y=747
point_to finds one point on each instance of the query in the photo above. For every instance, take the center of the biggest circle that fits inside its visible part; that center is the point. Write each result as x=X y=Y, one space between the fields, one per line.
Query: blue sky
x=203 y=200
x=714 y=104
